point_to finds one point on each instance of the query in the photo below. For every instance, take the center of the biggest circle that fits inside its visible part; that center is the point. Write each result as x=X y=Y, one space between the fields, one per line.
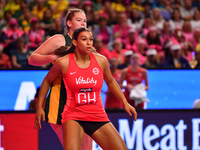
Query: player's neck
x=70 y=34
x=81 y=58
x=134 y=67
x=114 y=70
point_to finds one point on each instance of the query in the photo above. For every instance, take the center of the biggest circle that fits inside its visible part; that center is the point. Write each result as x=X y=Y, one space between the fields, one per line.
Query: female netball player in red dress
x=134 y=75
x=112 y=101
x=57 y=97
x=83 y=73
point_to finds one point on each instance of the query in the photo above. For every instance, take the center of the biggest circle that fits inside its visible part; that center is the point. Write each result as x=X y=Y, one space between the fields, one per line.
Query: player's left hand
x=130 y=110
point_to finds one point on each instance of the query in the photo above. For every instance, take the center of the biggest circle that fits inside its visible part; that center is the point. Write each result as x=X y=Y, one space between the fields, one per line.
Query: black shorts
x=90 y=127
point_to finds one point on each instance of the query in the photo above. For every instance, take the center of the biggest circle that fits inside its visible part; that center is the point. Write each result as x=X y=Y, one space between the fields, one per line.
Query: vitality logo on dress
x=82 y=80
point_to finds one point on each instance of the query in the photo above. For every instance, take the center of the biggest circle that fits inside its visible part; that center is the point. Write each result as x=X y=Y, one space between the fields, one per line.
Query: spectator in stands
x=147 y=13
x=105 y=31
x=196 y=38
x=96 y=16
x=111 y=101
x=25 y=21
x=153 y=38
x=166 y=48
x=120 y=30
x=159 y=4
x=151 y=61
x=131 y=39
x=157 y=19
x=4 y=23
x=187 y=51
x=140 y=48
x=113 y=19
x=5 y=62
x=146 y=23
x=118 y=5
x=177 y=4
x=73 y=4
x=35 y=35
x=80 y=3
x=187 y=11
x=166 y=12
x=134 y=75
x=13 y=5
x=39 y=9
x=112 y=14
x=178 y=34
x=176 y=60
x=187 y=39
x=195 y=22
x=2 y=8
x=97 y=5
x=182 y=38
x=160 y=55
x=127 y=59
x=56 y=27
x=57 y=7
x=197 y=56
x=100 y=48
x=127 y=4
x=137 y=4
x=88 y=9
x=19 y=13
x=106 y=9
x=19 y=56
x=196 y=4
x=176 y=19
x=187 y=31
x=47 y=22
x=118 y=51
x=166 y=33
x=135 y=19
x=9 y=36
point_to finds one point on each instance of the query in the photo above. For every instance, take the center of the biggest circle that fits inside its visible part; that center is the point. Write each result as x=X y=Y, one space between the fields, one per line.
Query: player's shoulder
x=102 y=61
x=144 y=70
x=125 y=70
x=62 y=61
x=57 y=38
x=100 y=57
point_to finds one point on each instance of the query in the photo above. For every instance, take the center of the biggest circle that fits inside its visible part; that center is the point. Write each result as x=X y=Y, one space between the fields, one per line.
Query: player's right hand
x=39 y=114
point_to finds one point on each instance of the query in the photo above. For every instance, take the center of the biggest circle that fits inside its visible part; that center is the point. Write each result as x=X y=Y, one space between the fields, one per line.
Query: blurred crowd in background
x=164 y=33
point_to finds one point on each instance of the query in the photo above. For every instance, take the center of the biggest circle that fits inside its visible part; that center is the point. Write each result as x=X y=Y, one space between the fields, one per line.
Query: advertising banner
x=168 y=89
x=153 y=130
x=159 y=129
x=17 y=131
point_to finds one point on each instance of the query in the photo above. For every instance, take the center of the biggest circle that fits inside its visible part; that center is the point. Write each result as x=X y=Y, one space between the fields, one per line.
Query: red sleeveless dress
x=133 y=78
x=83 y=87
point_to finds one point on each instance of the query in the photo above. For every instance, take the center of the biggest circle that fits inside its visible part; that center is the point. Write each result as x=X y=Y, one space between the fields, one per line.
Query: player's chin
x=88 y=50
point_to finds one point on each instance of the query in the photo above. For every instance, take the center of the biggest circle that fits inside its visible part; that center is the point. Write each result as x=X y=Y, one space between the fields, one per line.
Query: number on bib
x=85 y=98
